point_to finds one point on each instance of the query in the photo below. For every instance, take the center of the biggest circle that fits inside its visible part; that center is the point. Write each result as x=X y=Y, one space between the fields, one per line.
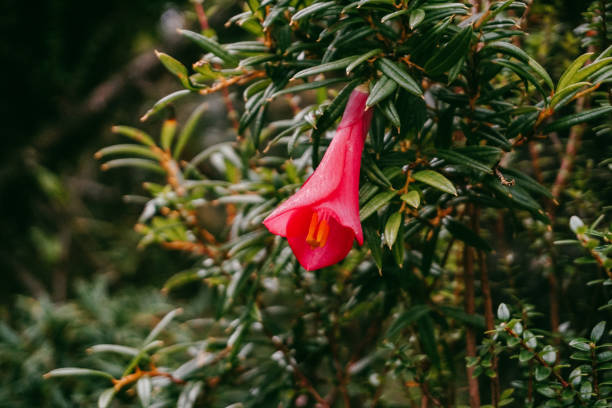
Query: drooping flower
x=321 y=220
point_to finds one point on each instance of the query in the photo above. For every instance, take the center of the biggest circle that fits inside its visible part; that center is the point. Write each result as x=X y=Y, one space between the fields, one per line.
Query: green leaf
x=189 y=395
x=165 y=101
x=581 y=356
x=539 y=69
x=566 y=92
x=362 y=58
x=448 y=55
x=427 y=338
x=76 y=372
x=181 y=278
x=604 y=356
x=312 y=9
x=143 y=389
x=568 y=76
x=514 y=51
x=547 y=392
x=143 y=164
x=598 y=331
x=307 y=86
x=586 y=388
x=579 y=345
x=176 y=68
x=526 y=182
x=383 y=88
x=167 y=133
x=335 y=108
x=188 y=129
x=455 y=157
x=412 y=198
x=525 y=355
x=134 y=134
x=406 y=318
x=210 y=45
x=461 y=232
x=577 y=118
x=542 y=373
x=416 y=16
x=373 y=241
x=393 y=15
x=159 y=327
x=392 y=227
x=390 y=111
x=399 y=75
x=106 y=397
x=376 y=203
x=128 y=149
x=113 y=348
x=520 y=70
x=435 y=179
x=330 y=66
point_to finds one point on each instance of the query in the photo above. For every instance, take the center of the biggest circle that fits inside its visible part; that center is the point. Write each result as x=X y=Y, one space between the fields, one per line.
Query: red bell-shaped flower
x=321 y=220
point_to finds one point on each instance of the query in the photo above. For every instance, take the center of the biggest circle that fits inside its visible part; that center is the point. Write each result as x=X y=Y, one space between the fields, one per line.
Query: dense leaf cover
x=407 y=318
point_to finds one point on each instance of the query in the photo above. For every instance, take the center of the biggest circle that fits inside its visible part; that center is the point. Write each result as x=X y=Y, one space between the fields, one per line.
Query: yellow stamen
x=322 y=233
x=317 y=232
x=312 y=229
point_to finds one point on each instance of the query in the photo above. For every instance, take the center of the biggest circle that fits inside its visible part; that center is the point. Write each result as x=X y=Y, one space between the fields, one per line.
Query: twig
x=197 y=4
x=427 y=396
x=488 y=310
x=136 y=375
x=470 y=336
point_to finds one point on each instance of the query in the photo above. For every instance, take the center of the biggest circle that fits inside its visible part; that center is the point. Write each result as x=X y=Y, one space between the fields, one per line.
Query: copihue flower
x=321 y=220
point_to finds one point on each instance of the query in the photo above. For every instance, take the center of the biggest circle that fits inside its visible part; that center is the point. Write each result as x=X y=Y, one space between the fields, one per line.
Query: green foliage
x=446 y=191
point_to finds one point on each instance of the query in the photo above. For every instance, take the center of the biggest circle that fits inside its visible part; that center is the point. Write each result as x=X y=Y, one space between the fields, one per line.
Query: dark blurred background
x=71 y=70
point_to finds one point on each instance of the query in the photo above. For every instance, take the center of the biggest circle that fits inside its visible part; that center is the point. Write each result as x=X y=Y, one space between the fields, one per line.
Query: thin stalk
x=470 y=335
x=488 y=309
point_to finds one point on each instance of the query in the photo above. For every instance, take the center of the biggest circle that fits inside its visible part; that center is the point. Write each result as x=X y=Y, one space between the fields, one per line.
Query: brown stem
x=568 y=159
x=427 y=396
x=197 y=4
x=490 y=324
x=470 y=336
x=535 y=161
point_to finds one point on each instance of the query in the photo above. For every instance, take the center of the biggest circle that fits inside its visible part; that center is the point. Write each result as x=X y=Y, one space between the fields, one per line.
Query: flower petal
x=338 y=245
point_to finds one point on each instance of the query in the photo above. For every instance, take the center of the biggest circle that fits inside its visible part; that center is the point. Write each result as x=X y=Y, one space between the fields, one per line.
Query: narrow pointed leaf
x=312 y=9
x=435 y=179
x=568 y=74
x=188 y=129
x=210 y=45
x=412 y=198
x=399 y=75
x=392 y=227
x=382 y=89
x=330 y=66
x=577 y=118
x=163 y=102
x=376 y=203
